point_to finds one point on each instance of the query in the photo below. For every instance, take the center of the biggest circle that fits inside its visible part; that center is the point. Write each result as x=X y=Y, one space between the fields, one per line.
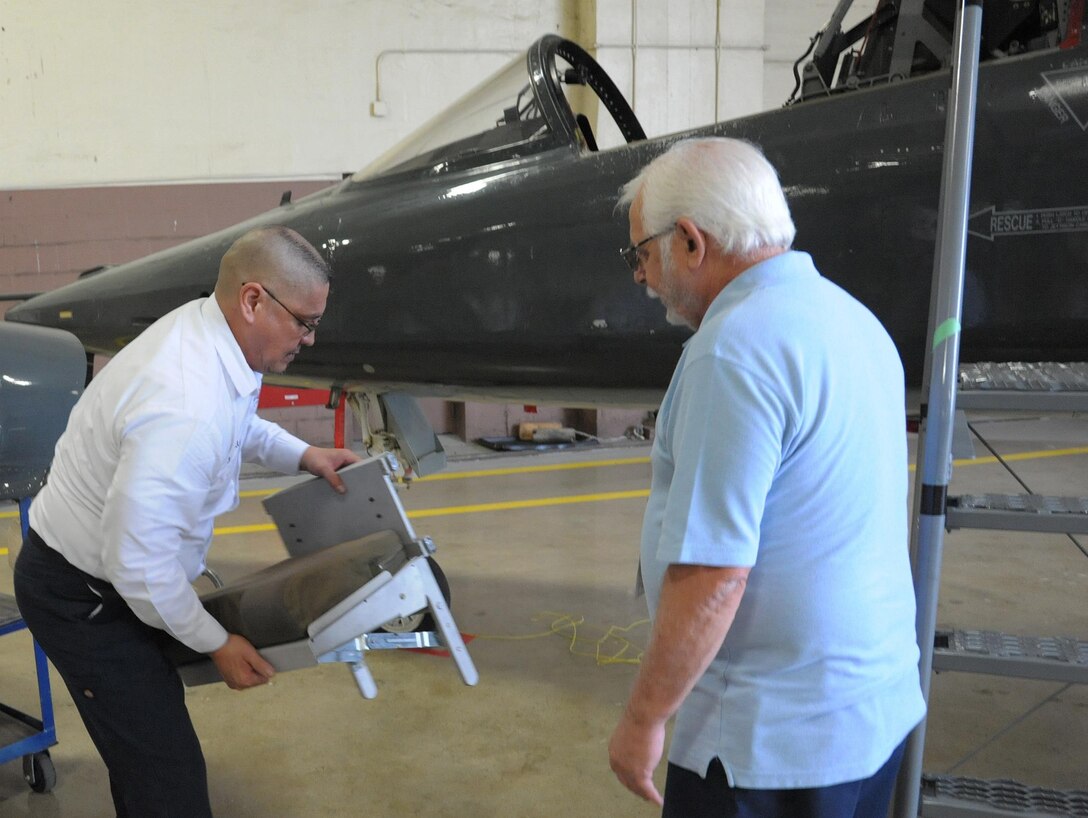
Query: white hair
x=726 y=186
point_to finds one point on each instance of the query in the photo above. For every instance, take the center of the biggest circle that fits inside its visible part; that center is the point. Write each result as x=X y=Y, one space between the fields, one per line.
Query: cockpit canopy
x=537 y=102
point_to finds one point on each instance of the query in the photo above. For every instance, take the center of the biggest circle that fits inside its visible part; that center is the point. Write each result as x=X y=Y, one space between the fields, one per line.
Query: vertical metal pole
x=934 y=470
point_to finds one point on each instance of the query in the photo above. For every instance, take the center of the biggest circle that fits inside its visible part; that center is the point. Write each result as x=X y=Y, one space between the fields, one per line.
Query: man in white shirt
x=774 y=544
x=150 y=457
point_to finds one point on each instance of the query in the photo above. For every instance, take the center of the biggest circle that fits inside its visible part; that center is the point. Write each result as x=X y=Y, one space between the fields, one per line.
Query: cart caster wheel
x=39 y=772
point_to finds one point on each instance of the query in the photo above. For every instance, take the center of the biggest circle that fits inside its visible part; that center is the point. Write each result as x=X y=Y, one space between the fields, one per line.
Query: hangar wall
x=136 y=93
x=139 y=126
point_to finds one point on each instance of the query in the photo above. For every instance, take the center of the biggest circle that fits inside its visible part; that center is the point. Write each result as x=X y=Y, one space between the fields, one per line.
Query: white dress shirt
x=151 y=456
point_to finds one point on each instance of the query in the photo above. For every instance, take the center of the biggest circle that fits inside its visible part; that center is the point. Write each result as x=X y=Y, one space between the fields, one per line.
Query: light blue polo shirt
x=781 y=445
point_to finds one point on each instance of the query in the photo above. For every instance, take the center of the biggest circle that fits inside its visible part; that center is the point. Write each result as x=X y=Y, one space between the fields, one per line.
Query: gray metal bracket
x=352 y=654
x=350 y=625
x=371 y=504
x=403 y=585
x=963 y=443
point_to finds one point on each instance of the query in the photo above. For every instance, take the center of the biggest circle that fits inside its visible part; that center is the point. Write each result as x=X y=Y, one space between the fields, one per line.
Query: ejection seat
x=357 y=579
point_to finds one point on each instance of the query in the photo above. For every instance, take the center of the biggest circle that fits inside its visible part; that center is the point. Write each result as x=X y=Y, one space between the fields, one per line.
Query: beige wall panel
x=127 y=91
x=48 y=237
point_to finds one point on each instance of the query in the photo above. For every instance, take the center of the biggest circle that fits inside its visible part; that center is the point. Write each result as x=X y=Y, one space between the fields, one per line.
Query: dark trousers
x=127 y=693
x=688 y=795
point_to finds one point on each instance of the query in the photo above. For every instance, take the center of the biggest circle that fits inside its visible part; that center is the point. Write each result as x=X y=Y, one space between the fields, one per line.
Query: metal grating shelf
x=1048 y=658
x=1054 y=387
x=947 y=797
x=1018 y=512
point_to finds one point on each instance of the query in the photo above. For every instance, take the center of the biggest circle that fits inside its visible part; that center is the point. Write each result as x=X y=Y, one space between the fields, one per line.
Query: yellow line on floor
x=542 y=502
x=462 y=475
x=537 y=503
x=1026 y=456
x=1038 y=455
x=593 y=464
x=631 y=461
x=478 y=508
x=578 y=498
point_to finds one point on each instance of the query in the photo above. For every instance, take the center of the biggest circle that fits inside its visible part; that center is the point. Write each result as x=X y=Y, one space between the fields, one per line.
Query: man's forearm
x=694 y=614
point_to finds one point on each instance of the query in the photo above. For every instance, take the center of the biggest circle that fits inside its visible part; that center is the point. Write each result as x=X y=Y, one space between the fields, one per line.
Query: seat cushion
x=276 y=605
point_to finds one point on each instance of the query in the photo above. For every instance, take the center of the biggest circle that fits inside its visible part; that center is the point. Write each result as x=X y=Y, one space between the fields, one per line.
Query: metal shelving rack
x=1043 y=658
x=1034 y=387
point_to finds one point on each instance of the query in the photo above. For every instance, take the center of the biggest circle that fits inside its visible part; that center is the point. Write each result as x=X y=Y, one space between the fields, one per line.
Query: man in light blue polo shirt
x=774 y=546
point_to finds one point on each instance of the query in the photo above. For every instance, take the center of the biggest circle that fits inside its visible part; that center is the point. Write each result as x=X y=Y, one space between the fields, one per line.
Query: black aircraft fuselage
x=488 y=266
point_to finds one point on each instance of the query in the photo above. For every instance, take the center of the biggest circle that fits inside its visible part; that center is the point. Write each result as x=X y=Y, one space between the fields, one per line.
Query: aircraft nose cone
x=24 y=313
x=44 y=310
x=60 y=309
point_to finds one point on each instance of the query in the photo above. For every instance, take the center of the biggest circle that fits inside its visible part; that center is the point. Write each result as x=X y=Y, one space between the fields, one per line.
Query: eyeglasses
x=309 y=326
x=635 y=255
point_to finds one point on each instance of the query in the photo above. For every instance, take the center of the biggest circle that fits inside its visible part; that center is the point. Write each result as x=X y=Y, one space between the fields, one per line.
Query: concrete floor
x=544 y=582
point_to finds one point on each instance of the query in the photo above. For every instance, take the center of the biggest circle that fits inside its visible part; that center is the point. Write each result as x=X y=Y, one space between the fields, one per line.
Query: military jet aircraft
x=478 y=258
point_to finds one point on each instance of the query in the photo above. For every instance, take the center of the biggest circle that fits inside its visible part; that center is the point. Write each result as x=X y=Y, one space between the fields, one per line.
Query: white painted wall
x=143 y=91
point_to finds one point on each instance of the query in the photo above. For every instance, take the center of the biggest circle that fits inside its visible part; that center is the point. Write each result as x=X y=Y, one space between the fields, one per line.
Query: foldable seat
x=358 y=579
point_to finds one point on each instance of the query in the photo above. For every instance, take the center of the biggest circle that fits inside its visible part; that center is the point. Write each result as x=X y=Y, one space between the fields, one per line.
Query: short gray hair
x=275 y=254
x=726 y=186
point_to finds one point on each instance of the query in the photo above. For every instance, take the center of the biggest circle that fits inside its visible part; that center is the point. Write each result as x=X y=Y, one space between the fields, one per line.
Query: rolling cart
x=21 y=734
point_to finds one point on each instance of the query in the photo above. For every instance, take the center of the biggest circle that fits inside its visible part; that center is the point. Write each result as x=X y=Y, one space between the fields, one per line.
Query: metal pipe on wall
x=717 y=47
